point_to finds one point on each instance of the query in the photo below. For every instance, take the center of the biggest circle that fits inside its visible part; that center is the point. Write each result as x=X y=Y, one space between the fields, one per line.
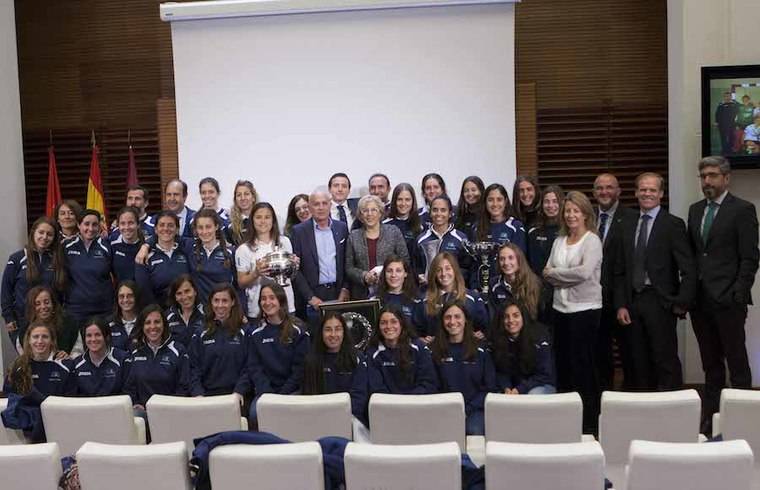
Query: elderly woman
x=369 y=246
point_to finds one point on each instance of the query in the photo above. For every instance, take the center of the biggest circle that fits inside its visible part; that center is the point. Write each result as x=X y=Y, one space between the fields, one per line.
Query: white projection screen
x=286 y=100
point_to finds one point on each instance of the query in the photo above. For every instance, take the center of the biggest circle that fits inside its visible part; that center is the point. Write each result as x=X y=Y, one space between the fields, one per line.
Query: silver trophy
x=430 y=249
x=282 y=265
x=482 y=252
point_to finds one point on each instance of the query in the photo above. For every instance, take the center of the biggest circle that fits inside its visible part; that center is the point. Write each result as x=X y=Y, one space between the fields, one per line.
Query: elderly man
x=320 y=243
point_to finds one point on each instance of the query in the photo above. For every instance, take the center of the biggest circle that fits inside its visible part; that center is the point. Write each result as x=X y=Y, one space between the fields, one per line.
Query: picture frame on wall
x=731 y=114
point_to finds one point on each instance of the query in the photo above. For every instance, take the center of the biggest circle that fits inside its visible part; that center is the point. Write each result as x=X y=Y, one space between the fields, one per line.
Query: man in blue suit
x=320 y=243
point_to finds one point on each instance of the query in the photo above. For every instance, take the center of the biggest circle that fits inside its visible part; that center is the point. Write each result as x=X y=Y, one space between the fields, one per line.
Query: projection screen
x=285 y=93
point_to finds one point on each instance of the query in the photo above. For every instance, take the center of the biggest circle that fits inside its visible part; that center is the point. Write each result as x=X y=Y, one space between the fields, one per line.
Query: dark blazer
x=726 y=266
x=305 y=246
x=669 y=261
x=390 y=242
x=609 y=250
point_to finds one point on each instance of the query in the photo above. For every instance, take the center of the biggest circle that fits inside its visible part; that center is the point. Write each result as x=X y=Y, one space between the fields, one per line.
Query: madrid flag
x=53 y=187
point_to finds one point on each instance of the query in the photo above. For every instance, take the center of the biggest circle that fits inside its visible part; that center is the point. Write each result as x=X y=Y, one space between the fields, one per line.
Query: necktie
x=342 y=213
x=640 y=255
x=709 y=217
x=603 y=224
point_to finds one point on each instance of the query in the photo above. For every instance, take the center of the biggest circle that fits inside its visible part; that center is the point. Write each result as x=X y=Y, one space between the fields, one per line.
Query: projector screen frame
x=225 y=9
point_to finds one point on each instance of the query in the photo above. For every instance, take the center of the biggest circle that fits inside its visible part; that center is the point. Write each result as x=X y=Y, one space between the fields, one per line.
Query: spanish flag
x=95 y=197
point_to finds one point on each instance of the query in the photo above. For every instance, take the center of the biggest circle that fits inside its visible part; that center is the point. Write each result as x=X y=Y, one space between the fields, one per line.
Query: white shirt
x=335 y=214
x=245 y=259
x=566 y=256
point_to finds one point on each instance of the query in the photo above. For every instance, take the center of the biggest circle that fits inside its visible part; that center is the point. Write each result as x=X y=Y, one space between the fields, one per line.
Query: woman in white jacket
x=574 y=269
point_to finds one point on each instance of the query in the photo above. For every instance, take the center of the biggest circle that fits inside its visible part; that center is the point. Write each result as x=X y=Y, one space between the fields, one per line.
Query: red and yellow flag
x=95 y=196
x=53 y=187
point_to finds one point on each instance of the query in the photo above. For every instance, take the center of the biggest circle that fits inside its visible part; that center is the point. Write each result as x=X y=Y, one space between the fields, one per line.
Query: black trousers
x=721 y=338
x=575 y=339
x=653 y=344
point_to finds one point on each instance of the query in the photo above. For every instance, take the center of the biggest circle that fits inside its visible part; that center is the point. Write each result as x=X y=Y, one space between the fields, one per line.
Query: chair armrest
x=140 y=429
x=716 y=424
x=243 y=423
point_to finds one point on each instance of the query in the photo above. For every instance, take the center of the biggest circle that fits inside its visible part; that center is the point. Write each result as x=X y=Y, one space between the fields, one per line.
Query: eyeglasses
x=370 y=211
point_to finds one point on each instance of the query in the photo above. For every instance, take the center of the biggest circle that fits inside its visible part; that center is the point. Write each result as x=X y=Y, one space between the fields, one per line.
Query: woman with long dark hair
x=66 y=215
x=277 y=347
x=39 y=262
x=124 y=318
x=403 y=215
x=527 y=197
x=251 y=269
x=463 y=366
x=398 y=363
x=541 y=237
x=522 y=353
x=100 y=371
x=218 y=354
x=333 y=365
x=298 y=212
x=470 y=204
x=158 y=365
x=185 y=314
x=397 y=287
x=42 y=306
x=209 y=190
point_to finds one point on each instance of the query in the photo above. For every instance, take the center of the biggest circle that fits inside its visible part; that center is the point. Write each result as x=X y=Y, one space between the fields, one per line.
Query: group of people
x=196 y=313
x=738 y=125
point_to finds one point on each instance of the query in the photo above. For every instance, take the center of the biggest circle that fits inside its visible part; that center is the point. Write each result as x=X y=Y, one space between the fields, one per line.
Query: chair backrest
x=178 y=418
x=417 y=419
x=73 y=421
x=740 y=417
x=119 y=467
x=267 y=467
x=671 y=416
x=9 y=436
x=422 y=467
x=301 y=418
x=696 y=466
x=534 y=418
x=569 y=466
x=30 y=466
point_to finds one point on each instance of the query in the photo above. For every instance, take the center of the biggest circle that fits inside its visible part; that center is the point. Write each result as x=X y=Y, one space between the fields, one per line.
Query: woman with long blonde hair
x=517 y=282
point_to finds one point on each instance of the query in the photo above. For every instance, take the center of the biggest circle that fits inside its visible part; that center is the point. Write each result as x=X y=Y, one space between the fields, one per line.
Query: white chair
x=73 y=421
x=267 y=467
x=693 y=466
x=30 y=466
x=670 y=416
x=417 y=419
x=534 y=418
x=301 y=418
x=119 y=467
x=421 y=467
x=9 y=436
x=178 y=418
x=739 y=418
x=569 y=466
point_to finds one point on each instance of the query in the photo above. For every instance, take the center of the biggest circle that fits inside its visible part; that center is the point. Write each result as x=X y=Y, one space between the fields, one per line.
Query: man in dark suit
x=341 y=207
x=609 y=214
x=655 y=282
x=320 y=243
x=723 y=232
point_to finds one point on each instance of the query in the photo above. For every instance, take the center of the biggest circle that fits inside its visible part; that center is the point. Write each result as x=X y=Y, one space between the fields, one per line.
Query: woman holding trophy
x=252 y=270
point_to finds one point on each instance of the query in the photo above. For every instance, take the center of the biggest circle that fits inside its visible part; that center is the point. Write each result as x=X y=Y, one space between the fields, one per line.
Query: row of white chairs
x=513 y=466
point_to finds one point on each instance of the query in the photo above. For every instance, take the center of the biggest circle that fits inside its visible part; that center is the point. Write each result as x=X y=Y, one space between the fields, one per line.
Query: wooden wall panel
x=589 y=53
x=525 y=114
x=167 y=139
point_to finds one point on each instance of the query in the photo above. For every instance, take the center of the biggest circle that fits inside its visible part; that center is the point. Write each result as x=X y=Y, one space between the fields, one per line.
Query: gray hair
x=365 y=201
x=716 y=161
